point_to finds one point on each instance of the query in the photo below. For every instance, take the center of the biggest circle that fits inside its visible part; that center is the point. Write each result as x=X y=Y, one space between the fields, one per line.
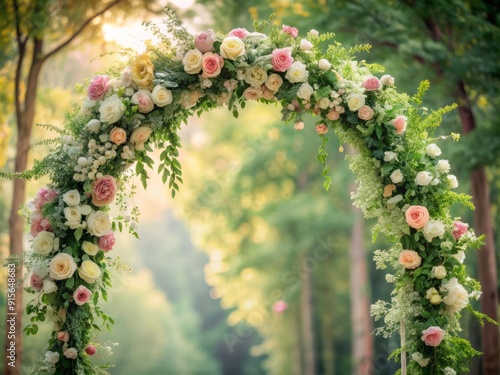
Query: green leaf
x=78 y=233
x=70 y=283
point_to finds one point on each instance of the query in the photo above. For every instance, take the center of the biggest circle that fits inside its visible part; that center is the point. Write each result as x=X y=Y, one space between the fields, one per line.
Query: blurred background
x=254 y=268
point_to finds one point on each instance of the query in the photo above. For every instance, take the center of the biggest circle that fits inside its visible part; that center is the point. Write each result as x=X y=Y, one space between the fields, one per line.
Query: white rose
x=355 y=101
x=93 y=125
x=255 y=76
x=274 y=82
x=419 y=358
x=49 y=286
x=387 y=80
x=305 y=91
x=460 y=256
x=161 y=96
x=323 y=103
x=443 y=166
x=62 y=266
x=438 y=272
x=435 y=182
x=72 y=198
x=297 y=73
x=129 y=91
x=232 y=47
x=70 y=353
x=51 y=357
x=390 y=156
x=112 y=109
x=98 y=223
x=89 y=271
x=314 y=33
x=90 y=248
x=87 y=106
x=396 y=176
x=73 y=217
x=391 y=203
x=433 y=228
x=457 y=297
x=305 y=45
x=44 y=243
x=324 y=64
x=192 y=61
x=452 y=180
x=423 y=178
x=85 y=209
x=433 y=150
x=449 y=371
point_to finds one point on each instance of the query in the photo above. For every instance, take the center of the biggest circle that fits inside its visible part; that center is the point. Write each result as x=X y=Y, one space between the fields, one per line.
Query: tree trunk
x=307 y=316
x=328 y=349
x=362 y=344
x=24 y=117
x=486 y=256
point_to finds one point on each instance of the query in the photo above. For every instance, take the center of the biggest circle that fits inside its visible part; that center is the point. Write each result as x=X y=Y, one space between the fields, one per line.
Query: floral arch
x=402 y=180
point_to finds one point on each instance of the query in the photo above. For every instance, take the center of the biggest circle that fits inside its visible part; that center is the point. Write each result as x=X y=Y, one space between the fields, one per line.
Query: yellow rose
x=355 y=101
x=143 y=72
x=62 y=266
x=90 y=248
x=232 y=47
x=89 y=271
x=192 y=61
x=139 y=136
x=274 y=82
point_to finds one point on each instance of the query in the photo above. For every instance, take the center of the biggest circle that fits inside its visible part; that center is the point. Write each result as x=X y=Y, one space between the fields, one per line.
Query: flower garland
x=401 y=180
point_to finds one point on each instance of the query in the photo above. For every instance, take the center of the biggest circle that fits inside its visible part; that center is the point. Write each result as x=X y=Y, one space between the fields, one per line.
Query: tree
x=33 y=32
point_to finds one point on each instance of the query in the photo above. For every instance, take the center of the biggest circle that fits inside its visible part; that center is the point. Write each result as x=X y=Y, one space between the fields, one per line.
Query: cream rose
x=98 y=223
x=423 y=178
x=387 y=80
x=255 y=76
x=73 y=217
x=112 y=109
x=433 y=228
x=397 y=176
x=355 y=101
x=324 y=64
x=432 y=150
x=62 y=266
x=161 y=96
x=438 y=272
x=89 y=271
x=93 y=125
x=192 y=61
x=323 y=103
x=274 y=82
x=305 y=45
x=232 y=47
x=90 y=248
x=72 y=198
x=460 y=256
x=297 y=73
x=452 y=180
x=45 y=242
x=49 y=286
x=70 y=353
x=390 y=156
x=305 y=91
x=139 y=136
x=457 y=297
x=51 y=357
x=443 y=166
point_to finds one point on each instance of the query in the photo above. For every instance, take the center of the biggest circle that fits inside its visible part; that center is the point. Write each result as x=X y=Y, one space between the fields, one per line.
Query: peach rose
x=433 y=336
x=365 y=113
x=118 y=136
x=417 y=216
x=410 y=259
x=274 y=82
x=388 y=189
x=63 y=336
x=251 y=93
x=333 y=115
x=321 y=129
x=399 y=124
x=139 y=136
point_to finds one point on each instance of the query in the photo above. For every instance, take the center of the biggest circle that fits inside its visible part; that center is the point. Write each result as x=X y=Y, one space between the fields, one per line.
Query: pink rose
x=98 y=87
x=280 y=306
x=332 y=115
x=291 y=31
x=432 y=336
x=321 y=129
x=240 y=33
x=399 y=124
x=81 y=295
x=372 y=84
x=417 y=216
x=63 y=336
x=409 y=259
x=44 y=195
x=211 y=63
x=90 y=350
x=459 y=229
x=36 y=282
x=205 y=41
x=104 y=190
x=282 y=59
x=39 y=224
x=107 y=241
x=144 y=101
